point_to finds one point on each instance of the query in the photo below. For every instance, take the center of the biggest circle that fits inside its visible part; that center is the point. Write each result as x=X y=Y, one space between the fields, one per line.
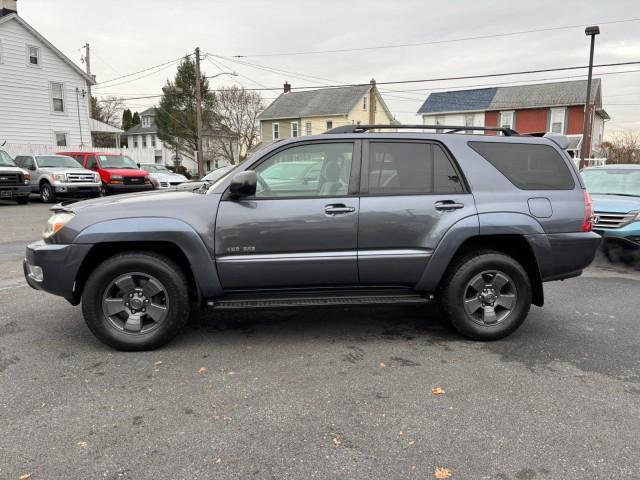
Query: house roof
x=514 y=97
x=100 y=127
x=48 y=44
x=149 y=111
x=139 y=129
x=315 y=103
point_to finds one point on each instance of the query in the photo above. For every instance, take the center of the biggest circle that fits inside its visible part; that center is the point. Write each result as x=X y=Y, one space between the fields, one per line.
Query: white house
x=43 y=94
x=145 y=147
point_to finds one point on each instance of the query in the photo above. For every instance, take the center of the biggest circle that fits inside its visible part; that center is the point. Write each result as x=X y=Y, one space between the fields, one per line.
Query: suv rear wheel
x=485 y=295
x=136 y=301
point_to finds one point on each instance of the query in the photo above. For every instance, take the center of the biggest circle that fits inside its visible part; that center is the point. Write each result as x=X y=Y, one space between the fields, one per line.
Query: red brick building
x=538 y=108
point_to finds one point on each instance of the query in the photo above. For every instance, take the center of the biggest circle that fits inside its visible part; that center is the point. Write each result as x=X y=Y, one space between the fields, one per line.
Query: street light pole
x=586 y=130
x=199 y=116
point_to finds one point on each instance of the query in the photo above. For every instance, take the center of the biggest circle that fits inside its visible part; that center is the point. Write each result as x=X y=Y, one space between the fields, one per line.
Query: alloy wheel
x=490 y=297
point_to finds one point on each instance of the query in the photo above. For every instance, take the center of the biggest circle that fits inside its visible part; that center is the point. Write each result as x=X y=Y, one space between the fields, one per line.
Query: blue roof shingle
x=459 y=101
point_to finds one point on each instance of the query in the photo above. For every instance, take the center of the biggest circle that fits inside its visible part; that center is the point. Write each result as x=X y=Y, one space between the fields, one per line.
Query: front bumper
x=60 y=265
x=122 y=188
x=629 y=235
x=78 y=189
x=14 y=191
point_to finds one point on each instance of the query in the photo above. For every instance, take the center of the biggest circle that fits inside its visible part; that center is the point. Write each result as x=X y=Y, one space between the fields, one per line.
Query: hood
x=168 y=177
x=146 y=200
x=615 y=203
x=126 y=172
x=5 y=169
x=64 y=170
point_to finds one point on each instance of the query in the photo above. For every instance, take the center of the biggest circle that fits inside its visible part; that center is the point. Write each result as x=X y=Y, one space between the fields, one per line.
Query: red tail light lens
x=588 y=212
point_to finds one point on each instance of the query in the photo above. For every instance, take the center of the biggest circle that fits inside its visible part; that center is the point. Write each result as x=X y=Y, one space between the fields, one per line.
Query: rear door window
x=528 y=166
x=404 y=168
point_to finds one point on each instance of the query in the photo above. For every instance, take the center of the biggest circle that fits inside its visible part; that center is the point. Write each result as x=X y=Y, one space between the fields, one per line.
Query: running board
x=241 y=302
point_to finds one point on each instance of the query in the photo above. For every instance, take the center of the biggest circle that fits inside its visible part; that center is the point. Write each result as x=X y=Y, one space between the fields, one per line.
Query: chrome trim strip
x=348 y=254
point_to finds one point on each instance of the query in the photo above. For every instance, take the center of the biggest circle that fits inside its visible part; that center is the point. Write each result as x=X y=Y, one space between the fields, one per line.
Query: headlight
x=637 y=217
x=59 y=177
x=96 y=178
x=56 y=222
x=27 y=178
x=115 y=179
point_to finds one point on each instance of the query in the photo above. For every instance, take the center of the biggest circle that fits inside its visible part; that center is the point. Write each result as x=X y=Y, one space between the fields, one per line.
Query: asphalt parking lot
x=333 y=393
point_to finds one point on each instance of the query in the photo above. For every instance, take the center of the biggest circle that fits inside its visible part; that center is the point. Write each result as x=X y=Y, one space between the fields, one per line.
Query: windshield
x=5 y=159
x=149 y=167
x=612 y=182
x=45 y=161
x=218 y=173
x=117 y=161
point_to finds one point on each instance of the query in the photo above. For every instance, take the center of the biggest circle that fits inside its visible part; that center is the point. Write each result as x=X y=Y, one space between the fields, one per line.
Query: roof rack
x=507 y=132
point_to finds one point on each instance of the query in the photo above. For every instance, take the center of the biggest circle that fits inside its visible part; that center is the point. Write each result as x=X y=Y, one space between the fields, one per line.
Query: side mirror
x=138 y=165
x=243 y=184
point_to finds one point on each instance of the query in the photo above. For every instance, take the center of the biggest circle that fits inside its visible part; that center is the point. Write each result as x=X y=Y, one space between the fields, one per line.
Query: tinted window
x=527 y=166
x=397 y=168
x=91 y=162
x=318 y=170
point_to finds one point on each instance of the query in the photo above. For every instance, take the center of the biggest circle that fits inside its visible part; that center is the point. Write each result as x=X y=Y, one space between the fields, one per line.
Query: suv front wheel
x=136 y=301
x=486 y=295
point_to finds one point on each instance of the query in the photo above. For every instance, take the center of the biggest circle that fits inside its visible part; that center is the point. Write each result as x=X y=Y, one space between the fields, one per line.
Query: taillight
x=588 y=212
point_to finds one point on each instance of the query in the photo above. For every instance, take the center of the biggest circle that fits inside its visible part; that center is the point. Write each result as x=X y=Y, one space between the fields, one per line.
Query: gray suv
x=54 y=176
x=475 y=223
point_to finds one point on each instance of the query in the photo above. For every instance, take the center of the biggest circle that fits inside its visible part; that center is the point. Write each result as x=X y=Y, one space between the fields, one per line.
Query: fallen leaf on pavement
x=382 y=365
x=26 y=476
x=159 y=362
x=437 y=391
x=219 y=460
x=442 y=473
x=337 y=441
x=202 y=370
x=83 y=444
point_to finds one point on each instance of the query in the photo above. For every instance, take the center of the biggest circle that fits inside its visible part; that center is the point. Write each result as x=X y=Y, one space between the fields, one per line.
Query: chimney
x=7 y=7
x=287 y=85
x=372 y=102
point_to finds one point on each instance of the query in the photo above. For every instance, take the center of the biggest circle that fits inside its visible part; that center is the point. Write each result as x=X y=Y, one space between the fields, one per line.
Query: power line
x=143 y=71
x=432 y=42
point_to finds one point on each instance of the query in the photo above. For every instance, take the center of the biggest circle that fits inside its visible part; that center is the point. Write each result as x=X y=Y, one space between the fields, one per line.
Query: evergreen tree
x=127 y=119
x=135 y=120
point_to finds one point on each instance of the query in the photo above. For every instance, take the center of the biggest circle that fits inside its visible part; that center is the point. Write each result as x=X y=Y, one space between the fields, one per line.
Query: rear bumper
x=121 y=188
x=59 y=264
x=14 y=191
x=568 y=254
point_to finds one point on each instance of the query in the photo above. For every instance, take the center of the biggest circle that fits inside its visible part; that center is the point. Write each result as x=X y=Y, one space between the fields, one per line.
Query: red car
x=119 y=173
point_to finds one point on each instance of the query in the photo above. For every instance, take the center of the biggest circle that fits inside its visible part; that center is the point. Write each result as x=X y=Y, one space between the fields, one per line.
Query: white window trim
x=66 y=138
x=563 y=112
x=297 y=125
x=511 y=123
x=275 y=126
x=308 y=128
x=29 y=64
x=64 y=100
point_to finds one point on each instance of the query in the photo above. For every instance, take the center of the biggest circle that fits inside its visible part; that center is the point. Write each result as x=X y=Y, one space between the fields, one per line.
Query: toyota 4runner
x=476 y=223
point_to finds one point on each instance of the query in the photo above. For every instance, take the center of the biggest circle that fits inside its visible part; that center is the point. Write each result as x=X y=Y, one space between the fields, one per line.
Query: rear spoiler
x=561 y=140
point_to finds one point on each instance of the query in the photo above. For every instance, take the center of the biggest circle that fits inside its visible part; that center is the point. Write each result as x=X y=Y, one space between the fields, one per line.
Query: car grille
x=608 y=220
x=79 y=177
x=164 y=184
x=10 y=178
x=133 y=180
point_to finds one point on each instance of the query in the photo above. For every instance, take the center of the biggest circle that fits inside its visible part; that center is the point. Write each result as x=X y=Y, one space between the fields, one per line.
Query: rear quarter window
x=528 y=166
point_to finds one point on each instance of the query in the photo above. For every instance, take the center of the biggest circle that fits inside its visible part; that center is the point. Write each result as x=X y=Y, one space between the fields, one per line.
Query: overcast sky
x=127 y=36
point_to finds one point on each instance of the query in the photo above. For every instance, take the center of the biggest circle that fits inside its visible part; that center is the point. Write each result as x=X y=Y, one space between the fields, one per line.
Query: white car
x=161 y=177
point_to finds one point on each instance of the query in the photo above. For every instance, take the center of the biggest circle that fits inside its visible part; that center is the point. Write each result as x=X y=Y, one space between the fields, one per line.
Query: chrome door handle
x=338 y=208
x=447 y=205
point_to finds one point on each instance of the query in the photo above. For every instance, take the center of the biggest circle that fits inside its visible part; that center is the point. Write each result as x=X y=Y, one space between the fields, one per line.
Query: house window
x=364 y=102
x=307 y=128
x=34 y=56
x=57 y=95
x=61 y=139
x=146 y=121
x=153 y=140
x=276 y=131
x=557 y=120
x=135 y=142
x=329 y=124
x=294 y=129
x=507 y=119
x=208 y=165
x=144 y=141
x=468 y=122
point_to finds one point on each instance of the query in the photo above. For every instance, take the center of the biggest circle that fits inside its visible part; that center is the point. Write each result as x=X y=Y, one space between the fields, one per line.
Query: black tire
x=453 y=295
x=104 y=191
x=22 y=200
x=175 y=293
x=47 y=193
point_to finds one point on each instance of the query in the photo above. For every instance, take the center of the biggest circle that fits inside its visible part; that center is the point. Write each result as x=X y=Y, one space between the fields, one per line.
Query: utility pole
x=586 y=130
x=199 y=116
x=87 y=63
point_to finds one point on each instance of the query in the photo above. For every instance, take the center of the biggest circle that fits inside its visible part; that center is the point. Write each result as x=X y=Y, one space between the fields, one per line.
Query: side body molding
x=160 y=229
x=462 y=230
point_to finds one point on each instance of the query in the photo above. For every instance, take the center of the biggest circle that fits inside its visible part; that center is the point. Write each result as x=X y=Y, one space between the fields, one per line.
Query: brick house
x=310 y=112
x=529 y=109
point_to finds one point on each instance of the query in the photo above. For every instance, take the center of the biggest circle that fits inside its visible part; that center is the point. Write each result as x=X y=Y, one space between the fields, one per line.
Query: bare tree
x=107 y=110
x=238 y=110
x=622 y=148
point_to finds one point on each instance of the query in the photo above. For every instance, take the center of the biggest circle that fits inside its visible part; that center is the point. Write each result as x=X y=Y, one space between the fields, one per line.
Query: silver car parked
x=54 y=176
